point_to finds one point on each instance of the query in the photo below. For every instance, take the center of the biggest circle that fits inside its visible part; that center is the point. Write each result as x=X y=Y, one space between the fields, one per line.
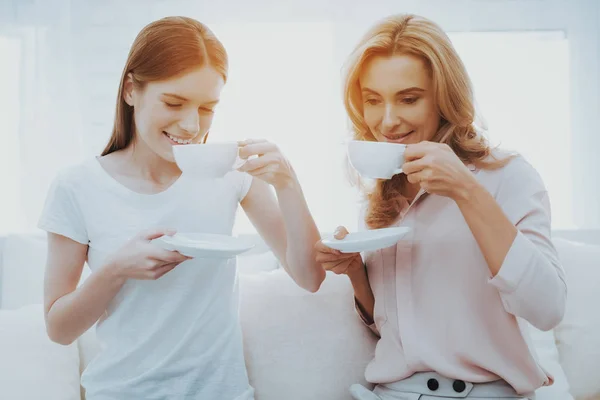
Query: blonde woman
x=449 y=300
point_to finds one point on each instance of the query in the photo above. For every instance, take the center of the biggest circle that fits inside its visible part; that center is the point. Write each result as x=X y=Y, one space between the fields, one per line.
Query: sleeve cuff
x=48 y=226
x=515 y=265
x=369 y=323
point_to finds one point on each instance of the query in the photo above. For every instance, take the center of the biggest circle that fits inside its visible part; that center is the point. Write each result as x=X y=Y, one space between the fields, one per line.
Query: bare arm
x=70 y=311
x=350 y=264
x=286 y=225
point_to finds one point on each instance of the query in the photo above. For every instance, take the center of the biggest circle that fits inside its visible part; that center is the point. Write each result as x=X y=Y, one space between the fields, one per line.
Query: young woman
x=448 y=300
x=168 y=324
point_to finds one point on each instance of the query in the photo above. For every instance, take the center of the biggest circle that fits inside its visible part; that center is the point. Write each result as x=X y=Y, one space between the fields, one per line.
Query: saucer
x=204 y=245
x=367 y=240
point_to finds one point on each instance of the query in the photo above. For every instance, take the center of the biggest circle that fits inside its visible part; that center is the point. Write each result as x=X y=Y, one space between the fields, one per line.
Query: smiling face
x=398 y=101
x=175 y=111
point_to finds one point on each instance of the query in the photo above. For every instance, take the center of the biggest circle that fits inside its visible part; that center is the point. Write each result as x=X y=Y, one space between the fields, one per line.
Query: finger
x=416 y=151
x=259 y=162
x=328 y=257
x=322 y=248
x=257 y=149
x=266 y=174
x=341 y=267
x=162 y=270
x=156 y=233
x=420 y=177
x=417 y=165
x=168 y=256
x=246 y=142
x=340 y=232
x=332 y=264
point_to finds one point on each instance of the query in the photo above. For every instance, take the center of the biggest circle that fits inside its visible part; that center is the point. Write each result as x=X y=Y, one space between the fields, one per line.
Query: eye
x=207 y=110
x=410 y=100
x=172 y=105
x=372 y=102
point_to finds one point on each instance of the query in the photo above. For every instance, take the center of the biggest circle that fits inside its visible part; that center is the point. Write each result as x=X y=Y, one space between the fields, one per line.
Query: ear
x=128 y=89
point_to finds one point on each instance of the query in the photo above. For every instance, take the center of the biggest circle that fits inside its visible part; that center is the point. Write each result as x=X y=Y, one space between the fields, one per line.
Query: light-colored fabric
x=177 y=336
x=578 y=335
x=548 y=357
x=257 y=263
x=23 y=263
x=436 y=307
x=302 y=345
x=32 y=366
x=431 y=386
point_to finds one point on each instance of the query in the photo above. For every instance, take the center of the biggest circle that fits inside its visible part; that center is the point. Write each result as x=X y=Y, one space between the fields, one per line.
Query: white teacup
x=207 y=160
x=376 y=160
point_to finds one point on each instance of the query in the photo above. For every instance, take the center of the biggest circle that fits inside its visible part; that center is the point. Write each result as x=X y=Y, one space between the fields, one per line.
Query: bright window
x=285 y=86
x=522 y=87
x=10 y=207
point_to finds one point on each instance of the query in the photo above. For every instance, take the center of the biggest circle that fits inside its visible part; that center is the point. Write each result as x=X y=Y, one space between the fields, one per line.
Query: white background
x=534 y=64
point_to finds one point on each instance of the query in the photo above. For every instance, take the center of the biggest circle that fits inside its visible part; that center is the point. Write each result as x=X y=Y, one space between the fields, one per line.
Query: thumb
x=156 y=233
x=340 y=232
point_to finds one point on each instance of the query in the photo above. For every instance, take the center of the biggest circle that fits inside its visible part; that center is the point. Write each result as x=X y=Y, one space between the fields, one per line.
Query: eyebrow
x=403 y=91
x=176 y=96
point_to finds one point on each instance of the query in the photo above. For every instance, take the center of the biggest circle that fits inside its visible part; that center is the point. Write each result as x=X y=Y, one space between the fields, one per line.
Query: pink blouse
x=437 y=308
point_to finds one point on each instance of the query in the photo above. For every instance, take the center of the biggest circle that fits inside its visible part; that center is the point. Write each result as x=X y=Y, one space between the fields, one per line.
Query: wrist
x=288 y=185
x=114 y=273
x=356 y=270
x=467 y=192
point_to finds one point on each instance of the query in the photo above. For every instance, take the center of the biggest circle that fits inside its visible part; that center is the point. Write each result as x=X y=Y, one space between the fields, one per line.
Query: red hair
x=164 y=49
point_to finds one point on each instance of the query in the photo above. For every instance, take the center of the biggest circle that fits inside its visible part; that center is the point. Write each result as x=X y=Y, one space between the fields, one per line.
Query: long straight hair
x=163 y=49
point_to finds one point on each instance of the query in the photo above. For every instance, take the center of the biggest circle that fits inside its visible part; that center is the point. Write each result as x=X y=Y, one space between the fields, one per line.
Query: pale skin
x=399 y=107
x=181 y=107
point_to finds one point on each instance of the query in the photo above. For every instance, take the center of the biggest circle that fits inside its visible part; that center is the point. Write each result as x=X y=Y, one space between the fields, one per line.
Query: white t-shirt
x=177 y=337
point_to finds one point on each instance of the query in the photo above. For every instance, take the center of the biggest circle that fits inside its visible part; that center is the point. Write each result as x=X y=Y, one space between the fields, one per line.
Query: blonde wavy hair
x=408 y=34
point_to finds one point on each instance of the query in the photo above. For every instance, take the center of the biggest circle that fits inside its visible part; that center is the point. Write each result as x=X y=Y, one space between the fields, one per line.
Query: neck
x=143 y=162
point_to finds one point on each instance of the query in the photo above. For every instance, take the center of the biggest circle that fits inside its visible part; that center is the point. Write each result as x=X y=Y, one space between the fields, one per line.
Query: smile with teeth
x=178 y=140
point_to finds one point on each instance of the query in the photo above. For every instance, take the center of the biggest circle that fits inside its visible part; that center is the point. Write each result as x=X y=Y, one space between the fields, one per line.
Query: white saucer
x=367 y=240
x=204 y=245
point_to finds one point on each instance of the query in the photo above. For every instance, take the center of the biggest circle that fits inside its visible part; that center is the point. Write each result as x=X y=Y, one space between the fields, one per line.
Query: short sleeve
x=246 y=182
x=61 y=213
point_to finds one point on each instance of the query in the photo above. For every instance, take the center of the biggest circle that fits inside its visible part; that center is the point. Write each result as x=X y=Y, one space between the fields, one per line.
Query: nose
x=190 y=124
x=390 y=117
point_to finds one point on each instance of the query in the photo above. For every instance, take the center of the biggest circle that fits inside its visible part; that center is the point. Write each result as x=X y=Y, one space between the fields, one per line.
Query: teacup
x=376 y=160
x=207 y=160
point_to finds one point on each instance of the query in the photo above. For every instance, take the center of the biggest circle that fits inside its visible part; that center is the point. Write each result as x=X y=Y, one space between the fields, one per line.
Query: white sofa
x=298 y=345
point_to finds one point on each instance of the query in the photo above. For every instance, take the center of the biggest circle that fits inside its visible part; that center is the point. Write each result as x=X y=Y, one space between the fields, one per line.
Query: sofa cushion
x=578 y=335
x=23 y=264
x=301 y=345
x=31 y=366
x=544 y=345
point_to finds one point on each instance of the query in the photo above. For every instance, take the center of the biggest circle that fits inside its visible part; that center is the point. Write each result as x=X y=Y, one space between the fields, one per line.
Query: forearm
x=363 y=293
x=73 y=314
x=301 y=236
x=492 y=229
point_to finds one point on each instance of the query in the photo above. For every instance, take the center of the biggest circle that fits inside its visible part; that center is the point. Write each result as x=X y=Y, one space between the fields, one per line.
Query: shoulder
x=74 y=176
x=516 y=177
x=240 y=182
